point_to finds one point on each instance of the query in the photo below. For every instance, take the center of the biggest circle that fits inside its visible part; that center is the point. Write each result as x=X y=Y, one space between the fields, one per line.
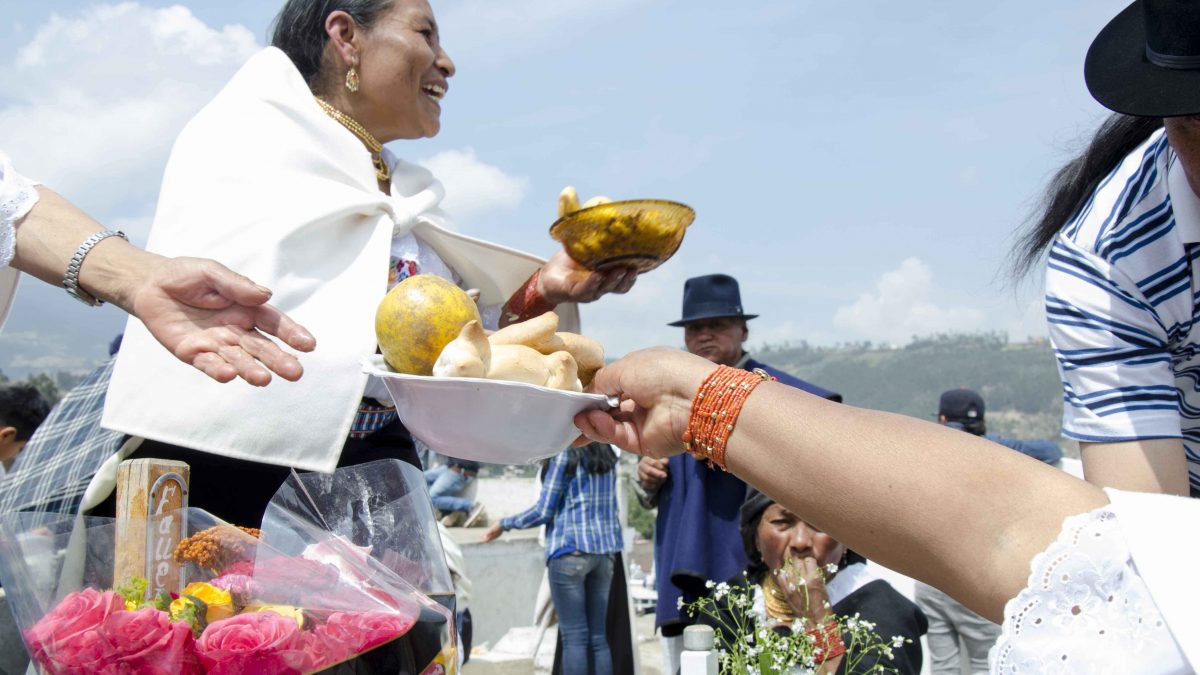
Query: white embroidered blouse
x=1107 y=596
x=17 y=197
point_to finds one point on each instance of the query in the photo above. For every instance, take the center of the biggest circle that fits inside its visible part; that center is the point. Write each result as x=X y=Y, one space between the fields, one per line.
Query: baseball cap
x=961 y=405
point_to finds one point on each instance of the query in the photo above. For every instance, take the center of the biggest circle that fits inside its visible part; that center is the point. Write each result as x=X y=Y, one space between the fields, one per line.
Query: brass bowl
x=641 y=233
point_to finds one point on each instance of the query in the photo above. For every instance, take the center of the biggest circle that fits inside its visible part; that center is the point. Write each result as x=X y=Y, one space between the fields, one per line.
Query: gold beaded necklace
x=776 y=601
x=382 y=172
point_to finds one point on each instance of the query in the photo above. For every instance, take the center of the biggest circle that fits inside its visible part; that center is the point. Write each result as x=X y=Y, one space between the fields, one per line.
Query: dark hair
x=597 y=459
x=1073 y=184
x=749 y=517
x=299 y=29
x=22 y=407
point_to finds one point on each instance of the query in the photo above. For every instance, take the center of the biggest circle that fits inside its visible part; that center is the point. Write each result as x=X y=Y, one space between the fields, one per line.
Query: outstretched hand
x=217 y=321
x=655 y=387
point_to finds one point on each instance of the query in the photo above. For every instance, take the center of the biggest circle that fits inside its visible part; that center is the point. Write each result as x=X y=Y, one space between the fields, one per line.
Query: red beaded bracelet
x=828 y=639
x=527 y=302
x=715 y=410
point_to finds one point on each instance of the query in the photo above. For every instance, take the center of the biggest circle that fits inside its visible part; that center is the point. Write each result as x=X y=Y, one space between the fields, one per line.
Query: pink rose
x=324 y=650
x=65 y=634
x=361 y=631
x=242 y=587
x=258 y=642
x=83 y=653
x=145 y=641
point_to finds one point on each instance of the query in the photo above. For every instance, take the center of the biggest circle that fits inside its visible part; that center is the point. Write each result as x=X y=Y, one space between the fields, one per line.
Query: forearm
x=50 y=234
x=967 y=516
x=1151 y=465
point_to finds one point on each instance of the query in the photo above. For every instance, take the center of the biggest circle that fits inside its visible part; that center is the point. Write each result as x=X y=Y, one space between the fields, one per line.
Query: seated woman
x=789 y=563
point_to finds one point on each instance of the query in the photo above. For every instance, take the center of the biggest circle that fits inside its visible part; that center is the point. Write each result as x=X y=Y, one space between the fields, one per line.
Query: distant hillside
x=1019 y=382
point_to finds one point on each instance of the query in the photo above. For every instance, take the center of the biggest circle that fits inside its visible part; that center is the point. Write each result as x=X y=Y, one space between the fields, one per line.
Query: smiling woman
x=285 y=174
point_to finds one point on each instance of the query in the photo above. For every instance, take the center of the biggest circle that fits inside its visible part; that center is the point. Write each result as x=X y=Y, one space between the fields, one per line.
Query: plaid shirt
x=57 y=464
x=579 y=511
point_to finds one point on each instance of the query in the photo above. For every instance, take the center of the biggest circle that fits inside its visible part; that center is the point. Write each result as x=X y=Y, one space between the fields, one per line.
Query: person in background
x=963 y=409
x=949 y=620
x=578 y=506
x=22 y=411
x=447 y=485
x=696 y=531
x=1119 y=227
x=788 y=569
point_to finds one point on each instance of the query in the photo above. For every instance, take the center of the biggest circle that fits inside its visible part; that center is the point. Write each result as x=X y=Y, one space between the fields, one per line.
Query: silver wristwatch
x=71 y=279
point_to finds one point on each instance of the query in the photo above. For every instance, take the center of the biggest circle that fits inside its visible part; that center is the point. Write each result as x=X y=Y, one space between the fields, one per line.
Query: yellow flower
x=282 y=610
x=218 y=603
x=130 y=605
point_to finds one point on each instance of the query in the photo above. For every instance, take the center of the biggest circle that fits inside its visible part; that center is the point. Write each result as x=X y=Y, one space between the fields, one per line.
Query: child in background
x=22 y=410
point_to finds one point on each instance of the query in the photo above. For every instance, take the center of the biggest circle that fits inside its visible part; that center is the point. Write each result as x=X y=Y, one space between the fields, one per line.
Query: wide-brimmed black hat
x=1146 y=61
x=712 y=296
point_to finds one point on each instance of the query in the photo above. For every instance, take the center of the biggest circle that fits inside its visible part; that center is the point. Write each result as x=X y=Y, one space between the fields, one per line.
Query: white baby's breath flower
x=831 y=568
x=679 y=603
x=898 y=641
x=710 y=584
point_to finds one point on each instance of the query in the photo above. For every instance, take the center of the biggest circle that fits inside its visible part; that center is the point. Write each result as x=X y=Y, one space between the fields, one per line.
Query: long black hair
x=597 y=459
x=299 y=29
x=1073 y=185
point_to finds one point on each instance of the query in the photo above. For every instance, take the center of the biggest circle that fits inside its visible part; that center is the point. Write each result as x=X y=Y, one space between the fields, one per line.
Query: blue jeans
x=444 y=485
x=579 y=585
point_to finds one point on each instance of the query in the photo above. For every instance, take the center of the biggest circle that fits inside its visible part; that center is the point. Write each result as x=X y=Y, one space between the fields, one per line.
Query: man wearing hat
x=1121 y=223
x=949 y=620
x=696 y=533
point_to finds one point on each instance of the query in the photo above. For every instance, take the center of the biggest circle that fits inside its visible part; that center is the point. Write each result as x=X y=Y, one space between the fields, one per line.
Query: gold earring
x=352 y=79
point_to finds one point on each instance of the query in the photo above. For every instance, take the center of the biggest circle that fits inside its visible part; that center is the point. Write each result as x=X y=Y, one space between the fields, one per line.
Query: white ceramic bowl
x=485 y=420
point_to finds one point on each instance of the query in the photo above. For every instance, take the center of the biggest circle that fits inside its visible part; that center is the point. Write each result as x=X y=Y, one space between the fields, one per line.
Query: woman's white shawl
x=266 y=183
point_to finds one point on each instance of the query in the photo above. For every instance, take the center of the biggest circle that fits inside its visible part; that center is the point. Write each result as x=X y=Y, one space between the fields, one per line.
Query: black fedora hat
x=712 y=296
x=1146 y=61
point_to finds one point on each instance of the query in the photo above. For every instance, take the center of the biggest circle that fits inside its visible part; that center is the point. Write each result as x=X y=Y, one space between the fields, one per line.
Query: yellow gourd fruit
x=417 y=318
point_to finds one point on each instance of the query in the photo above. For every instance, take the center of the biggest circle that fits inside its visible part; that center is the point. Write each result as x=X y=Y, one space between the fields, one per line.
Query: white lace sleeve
x=1086 y=609
x=17 y=196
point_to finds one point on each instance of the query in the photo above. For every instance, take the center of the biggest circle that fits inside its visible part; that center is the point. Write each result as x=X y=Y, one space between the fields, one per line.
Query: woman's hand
x=215 y=319
x=564 y=280
x=492 y=533
x=803 y=582
x=656 y=387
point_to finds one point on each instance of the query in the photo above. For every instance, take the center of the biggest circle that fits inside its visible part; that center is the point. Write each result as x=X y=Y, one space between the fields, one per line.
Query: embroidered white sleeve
x=17 y=197
x=1085 y=610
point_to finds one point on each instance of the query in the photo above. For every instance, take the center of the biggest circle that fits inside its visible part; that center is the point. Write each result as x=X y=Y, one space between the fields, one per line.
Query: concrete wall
x=505 y=576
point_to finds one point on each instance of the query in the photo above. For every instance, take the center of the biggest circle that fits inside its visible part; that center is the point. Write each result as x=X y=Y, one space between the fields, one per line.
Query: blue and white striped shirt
x=1123 y=303
x=579 y=511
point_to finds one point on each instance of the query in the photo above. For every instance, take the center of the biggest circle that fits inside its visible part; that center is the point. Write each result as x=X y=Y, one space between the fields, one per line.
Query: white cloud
x=902 y=306
x=96 y=98
x=474 y=187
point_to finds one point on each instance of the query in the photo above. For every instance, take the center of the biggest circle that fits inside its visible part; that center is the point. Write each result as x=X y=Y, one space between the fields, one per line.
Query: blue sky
x=860 y=167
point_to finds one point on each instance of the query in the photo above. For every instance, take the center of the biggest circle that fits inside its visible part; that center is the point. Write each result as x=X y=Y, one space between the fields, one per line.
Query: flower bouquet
x=317 y=589
x=751 y=642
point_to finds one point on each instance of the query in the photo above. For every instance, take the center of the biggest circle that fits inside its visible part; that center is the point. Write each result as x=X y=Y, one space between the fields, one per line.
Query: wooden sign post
x=151 y=521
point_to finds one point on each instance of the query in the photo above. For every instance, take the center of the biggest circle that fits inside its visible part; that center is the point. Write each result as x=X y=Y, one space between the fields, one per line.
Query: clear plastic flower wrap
x=341 y=578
